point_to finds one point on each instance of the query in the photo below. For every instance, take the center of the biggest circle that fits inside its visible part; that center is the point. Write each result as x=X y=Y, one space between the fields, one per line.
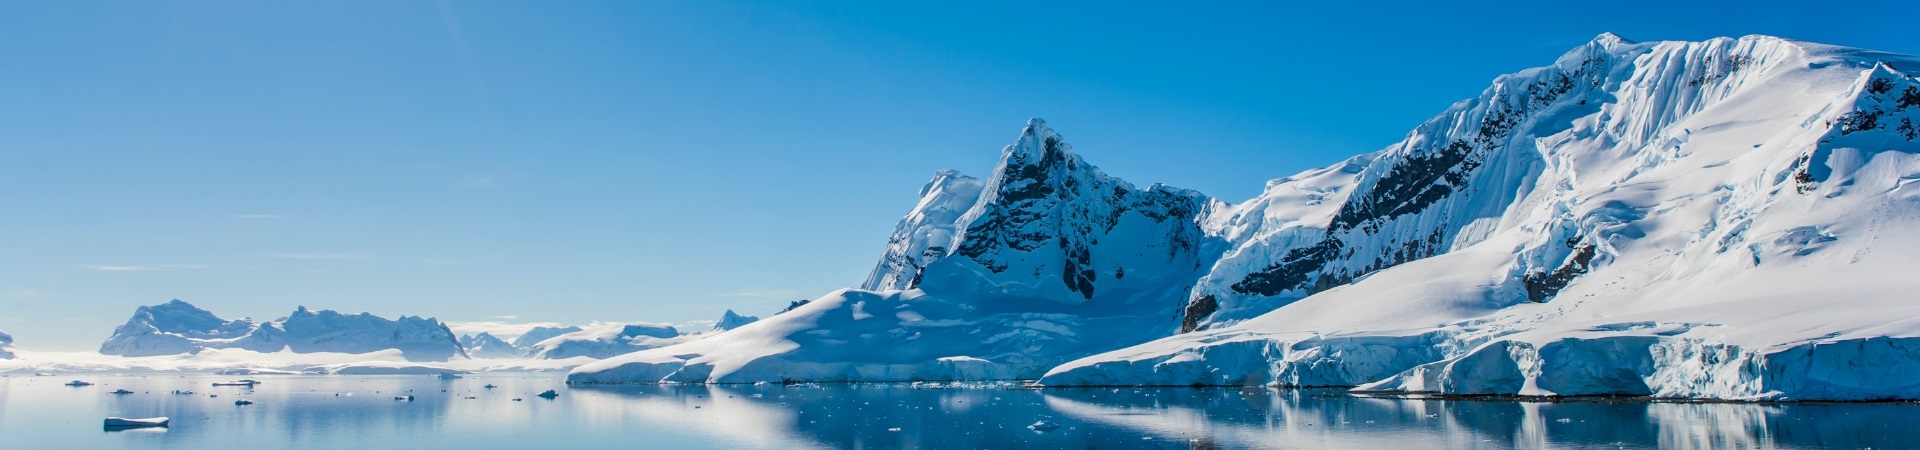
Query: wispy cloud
x=762 y=294
x=695 y=325
x=318 y=256
x=141 y=267
x=506 y=317
x=258 y=216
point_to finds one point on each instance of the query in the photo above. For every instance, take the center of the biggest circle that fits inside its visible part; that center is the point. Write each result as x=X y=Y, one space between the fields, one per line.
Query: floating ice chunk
x=549 y=394
x=120 y=392
x=1043 y=426
x=117 y=422
x=78 y=383
x=242 y=402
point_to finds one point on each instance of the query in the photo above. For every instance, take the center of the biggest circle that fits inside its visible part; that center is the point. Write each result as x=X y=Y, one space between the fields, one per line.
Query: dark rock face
x=1542 y=285
x=1200 y=307
x=1425 y=174
x=1044 y=215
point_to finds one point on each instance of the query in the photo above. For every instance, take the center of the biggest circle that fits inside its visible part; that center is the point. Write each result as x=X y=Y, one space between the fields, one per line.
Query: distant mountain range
x=177 y=327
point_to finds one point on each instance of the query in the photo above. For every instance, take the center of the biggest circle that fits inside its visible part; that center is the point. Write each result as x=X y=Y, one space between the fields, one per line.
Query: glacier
x=177 y=327
x=1717 y=219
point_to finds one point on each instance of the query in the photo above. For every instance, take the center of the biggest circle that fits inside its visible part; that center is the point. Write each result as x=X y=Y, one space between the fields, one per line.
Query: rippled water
x=359 y=411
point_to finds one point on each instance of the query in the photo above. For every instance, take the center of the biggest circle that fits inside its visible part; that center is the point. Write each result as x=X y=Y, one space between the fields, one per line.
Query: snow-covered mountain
x=1048 y=258
x=484 y=345
x=1716 y=219
x=6 y=346
x=537 y=334
x=732 y=320
x=601 y=341
x=177 y=327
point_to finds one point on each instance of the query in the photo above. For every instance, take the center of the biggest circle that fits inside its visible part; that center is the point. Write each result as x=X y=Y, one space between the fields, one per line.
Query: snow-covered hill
x=1717 y=219
x=1720 y=219
x=177 y=327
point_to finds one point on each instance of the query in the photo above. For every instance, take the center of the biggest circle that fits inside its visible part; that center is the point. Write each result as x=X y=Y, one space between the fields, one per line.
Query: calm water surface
x=359 y=411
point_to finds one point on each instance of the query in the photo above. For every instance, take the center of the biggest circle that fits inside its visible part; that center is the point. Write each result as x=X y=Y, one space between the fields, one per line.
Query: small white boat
x=408 y=397
x=248 y=383
x=117 y=422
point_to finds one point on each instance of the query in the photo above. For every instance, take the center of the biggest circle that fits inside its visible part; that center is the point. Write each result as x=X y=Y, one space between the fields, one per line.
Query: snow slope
x=177 y=327
x=1720 y=219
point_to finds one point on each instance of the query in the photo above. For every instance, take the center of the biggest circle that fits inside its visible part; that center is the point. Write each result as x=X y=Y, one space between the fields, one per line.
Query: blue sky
x=664 y=161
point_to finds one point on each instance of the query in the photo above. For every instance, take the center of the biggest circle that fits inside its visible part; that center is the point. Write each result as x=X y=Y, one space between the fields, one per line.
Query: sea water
x=361 y=411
